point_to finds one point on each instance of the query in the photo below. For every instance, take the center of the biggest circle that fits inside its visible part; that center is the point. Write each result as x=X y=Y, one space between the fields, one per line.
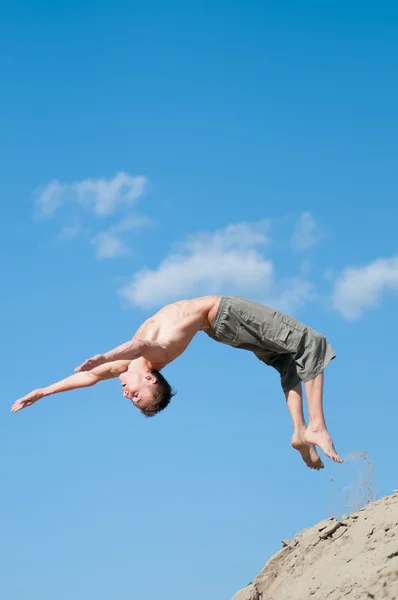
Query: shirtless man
x=297 y=352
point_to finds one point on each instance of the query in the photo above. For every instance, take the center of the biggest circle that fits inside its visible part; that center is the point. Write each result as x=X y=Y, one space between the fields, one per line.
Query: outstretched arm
x=78 y=380
x=130 y=350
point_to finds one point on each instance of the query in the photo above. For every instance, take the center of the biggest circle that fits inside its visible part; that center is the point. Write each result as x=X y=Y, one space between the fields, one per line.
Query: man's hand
x=27 y=400
x=131 y=350
x=95 y=361
x=128 y=351
x=74 y=382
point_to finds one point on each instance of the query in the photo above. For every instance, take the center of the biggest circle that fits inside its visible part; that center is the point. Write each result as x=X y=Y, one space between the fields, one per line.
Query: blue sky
x=153 y=151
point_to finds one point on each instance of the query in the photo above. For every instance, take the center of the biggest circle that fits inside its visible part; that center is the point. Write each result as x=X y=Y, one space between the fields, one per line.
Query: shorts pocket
x=284 y=332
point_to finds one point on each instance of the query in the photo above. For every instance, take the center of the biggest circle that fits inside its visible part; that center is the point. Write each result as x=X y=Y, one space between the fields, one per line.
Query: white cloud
x=70 y=231
x=358 y=289
x=109 y=246
x=305 y=267
x=49 y=199
x=233 y=237
x=103 y=196
x=307 y=233
x=200 y=273
x=225 y=261
x=291 y=294
x=131 y=223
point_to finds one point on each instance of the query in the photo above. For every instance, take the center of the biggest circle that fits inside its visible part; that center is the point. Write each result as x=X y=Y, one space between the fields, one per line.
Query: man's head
x=146 y=388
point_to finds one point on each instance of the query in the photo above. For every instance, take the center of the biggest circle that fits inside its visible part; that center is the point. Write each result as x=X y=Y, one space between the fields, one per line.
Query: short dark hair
x=162 y=396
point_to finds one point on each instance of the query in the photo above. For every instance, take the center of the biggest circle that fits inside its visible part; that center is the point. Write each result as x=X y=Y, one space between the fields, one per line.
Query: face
x=138 y=387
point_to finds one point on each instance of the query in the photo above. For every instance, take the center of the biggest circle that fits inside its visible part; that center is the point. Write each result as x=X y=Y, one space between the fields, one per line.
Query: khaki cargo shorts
x=296 y=351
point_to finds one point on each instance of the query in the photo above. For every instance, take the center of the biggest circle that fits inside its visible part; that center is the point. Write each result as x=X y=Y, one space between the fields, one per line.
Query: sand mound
x=355 y=558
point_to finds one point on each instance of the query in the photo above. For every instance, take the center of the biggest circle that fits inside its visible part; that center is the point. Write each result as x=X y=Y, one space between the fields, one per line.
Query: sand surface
x=355 y=558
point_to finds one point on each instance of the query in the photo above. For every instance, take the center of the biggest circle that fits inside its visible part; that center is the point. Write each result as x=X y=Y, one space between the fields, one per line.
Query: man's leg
x=317 y=432
x=294 y=399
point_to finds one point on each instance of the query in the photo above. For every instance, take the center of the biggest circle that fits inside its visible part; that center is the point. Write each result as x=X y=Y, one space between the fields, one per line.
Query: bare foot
x=308 y=453
x=323 y=440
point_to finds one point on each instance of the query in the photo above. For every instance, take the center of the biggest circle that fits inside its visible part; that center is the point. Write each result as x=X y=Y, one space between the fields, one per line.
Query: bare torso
x=175 y=325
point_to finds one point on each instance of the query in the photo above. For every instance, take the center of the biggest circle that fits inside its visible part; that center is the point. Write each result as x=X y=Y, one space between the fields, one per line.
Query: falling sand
x=351 y=487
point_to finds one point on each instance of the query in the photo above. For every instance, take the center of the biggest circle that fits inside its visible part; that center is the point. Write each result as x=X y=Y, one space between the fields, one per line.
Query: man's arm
x=78 y=380
x=152 y=351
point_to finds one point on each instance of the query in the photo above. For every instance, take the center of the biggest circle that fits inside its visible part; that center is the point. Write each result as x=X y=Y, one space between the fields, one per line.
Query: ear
x=151 y=378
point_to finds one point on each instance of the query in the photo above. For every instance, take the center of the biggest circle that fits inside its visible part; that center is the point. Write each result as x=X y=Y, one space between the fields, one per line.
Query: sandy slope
x=352 y=559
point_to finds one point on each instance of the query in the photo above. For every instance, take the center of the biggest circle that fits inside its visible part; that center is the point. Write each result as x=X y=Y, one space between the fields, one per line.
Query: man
x=297 y=352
